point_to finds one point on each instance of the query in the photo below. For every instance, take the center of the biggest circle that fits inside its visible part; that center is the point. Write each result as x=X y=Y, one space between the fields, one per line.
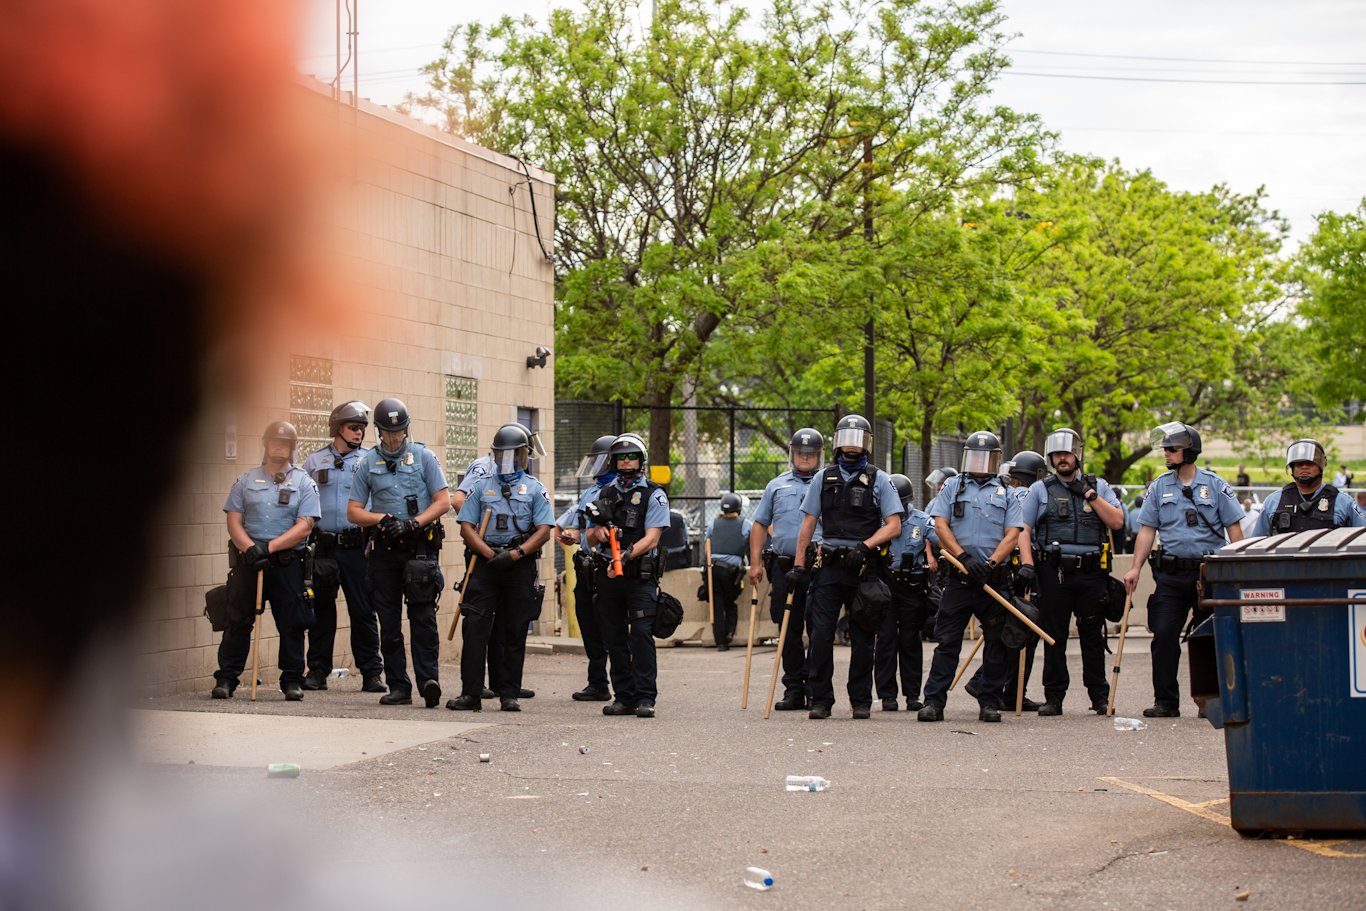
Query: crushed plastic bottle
x=1129 y=724
x=806 y=783
x=340 y=672
x=282 y=770
x=758 y=879
x=583 y=750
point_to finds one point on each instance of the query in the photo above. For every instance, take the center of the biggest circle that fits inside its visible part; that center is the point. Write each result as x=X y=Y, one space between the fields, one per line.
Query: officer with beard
x=778 y=521
x=1069 y=517
x=1193 y=509
x=1307 y=503
x=909 y=564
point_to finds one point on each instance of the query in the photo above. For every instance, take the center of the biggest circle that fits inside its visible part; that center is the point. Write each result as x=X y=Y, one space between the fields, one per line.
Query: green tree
x=1334 y=306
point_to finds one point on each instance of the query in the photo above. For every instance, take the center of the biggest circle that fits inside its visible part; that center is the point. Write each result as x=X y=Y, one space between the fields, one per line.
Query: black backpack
x=668 y=614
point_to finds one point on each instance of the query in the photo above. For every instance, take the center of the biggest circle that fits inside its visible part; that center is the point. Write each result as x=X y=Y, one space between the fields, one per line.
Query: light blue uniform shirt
x=780 y=508
x=527 y=504
x=917 y=528
x=656 y=510
x=256 y=496
x=1035 y=503
x=336 y=491
x=988 y=510
x=1346 y=512
x=745 y=527
x=571 y=516
x=885 y=498
x=1134 y=513
x=1166 y=506
x=479 y=469
x=427 y=480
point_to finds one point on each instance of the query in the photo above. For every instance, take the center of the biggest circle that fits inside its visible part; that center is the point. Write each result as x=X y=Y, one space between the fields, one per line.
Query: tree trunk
x=926 y=449
x=661 y=423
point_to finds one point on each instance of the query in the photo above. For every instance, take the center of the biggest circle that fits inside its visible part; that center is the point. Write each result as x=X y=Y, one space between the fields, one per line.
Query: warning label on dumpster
x=1356 y=623
x=1262 y=613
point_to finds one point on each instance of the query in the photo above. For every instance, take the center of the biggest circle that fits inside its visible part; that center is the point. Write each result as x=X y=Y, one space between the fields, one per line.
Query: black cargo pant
x=727 y=580
x=794 y=650
x=283 y=588
x=1168 y=608
x=626 y=613
x=590 y=630
x=961 y=600
x=1012 y=661
x=386 y=586
x=898 y=642
x=497 y=609
x=832 y=589
x=322 y=638
x=1080 y=594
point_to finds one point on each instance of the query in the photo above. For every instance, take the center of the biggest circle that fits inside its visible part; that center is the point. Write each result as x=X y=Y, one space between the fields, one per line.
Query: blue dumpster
x=1281 y=668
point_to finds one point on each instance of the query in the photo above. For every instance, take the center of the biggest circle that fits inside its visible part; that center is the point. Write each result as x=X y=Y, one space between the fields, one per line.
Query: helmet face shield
x=1172 y=435
x=935 y=478
x=981 y=461
x=1063 y=440
x=594 y=464
x=509 y=461
x=853 y=438
x=1306 y=451
x=537 y=450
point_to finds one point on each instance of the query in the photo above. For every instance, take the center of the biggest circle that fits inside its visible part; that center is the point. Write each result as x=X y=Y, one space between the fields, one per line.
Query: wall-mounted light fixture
x=538 y=360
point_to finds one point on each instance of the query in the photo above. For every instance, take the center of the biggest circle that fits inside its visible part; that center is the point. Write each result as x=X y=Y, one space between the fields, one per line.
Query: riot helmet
x=511 y=449
x=807 y=441
x=630 y=444
x=391 y=415
x=1175 y=435
x=1028 y=467
x=1064 y=439
x=939 y=476
x=598 y=462
x=981 y=454
x=1306 y=451
x=904 y=489
x=353 y=412
x=854 y=432
x=1004 y=471
x=280 y=430
x=1138 y=502
x=731 y=504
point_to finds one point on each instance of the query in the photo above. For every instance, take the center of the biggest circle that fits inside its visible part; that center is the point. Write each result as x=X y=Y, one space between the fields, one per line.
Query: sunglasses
x=360 y=427
x=1171 y=449
x=627 y=456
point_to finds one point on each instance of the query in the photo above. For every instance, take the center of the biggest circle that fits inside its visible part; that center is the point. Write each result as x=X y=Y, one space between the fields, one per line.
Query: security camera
x=538 y=359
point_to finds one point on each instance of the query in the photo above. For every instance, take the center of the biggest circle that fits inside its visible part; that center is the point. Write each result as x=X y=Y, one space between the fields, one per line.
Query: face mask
x=603 y=480
x=804 y=475
x=511 y=478
x=629 y=474
x=392 y=455
x=858 y=465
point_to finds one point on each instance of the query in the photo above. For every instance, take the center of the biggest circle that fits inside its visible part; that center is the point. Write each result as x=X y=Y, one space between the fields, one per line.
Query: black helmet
x=630 y=443
x=1064 y=439
x=1138 y=501
x=353 y=412
x=1004 y=471
x=391 y=415
x=904 y=489
x=1028 y=467
x=1306 y=451
x=939 y=476
x=510 y=451
x=731 y=504
x=854 y=432
x=981 y=454
x=1176 y=435
x=806 y=440
x=281 y=430
x=598 y=462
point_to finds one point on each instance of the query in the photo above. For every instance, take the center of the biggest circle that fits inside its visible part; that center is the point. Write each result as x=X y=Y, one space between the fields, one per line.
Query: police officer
x=339 y=554
x=1307 y=503
x=979 y=522
x=500 y=598
x=1192 y=509
x=270 y=512
x=1068 y=519
x=777 y=522
x=569 y=529
x=728 y=534
x=935 y=482
x=1132 y=523
x=909 y=563
x=403 y=482
x=851 y=512
x=637 y=510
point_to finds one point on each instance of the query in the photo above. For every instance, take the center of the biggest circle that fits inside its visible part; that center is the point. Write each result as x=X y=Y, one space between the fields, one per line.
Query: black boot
x=508 y=704
x=819 y=711
x=488 y=694
x=465 y=704
x=1162 y=711
x=589 y=694
x=914 y=705
x=293 y=693
x=373 y=685
x=863 y=711
x=889 y=705
x=930 y=712
x=645 y=710
x=315 y=680
x=431 y=694
x=791 y=704
x=222 y=690
x=619 y=708
x=1049 y=709
x=1029 y=705
x=525 y=693
x=396 y=699
x=988 y=713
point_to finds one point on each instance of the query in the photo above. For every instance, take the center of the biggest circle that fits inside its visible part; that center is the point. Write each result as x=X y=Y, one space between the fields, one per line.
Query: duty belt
x=353 y=536
x=506 y=545
x=1067 y=563
x=1161 y=561
x=915 y=577
x=998 y=576
x=774 y=560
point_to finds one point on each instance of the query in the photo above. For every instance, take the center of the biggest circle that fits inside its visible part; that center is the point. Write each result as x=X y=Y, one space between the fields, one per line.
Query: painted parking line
x=1321 y=847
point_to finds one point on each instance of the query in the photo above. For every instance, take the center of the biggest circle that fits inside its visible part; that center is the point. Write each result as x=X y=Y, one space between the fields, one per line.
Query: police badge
x=1323 y=504
x=915 y=533
x=521 y=488
x=635 y=498
x=1204 y=492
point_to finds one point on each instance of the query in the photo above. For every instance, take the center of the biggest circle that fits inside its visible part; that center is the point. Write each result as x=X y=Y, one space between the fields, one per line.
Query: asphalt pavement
x=577 y=809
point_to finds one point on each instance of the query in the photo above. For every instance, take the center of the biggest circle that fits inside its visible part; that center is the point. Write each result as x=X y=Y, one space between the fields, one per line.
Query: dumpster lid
x=1322 y=542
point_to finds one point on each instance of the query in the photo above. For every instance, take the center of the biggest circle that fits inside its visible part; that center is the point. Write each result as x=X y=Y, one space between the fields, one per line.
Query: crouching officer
x=909 y=564
x=979 y=522
x=1193 y=509
x=339 y=554
x=728 y=534
x=271 y=510
x=1069 y=517
x=500 y=597
x=569 y=529
x=858 y=511
x=403 y=482
x=779 y=517
x=628 y=517
x=1307 y=503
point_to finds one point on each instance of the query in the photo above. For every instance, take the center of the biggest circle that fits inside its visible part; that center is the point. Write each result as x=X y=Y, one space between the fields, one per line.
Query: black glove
x=599 y=513
x=391 y=528
x=1082 y=484
x=408 y=526
x=626 y=554
x=977 y=571
x=1028 y=577
x=796 y=578
x=854 y=560
x=501 y=561
x=257 y=557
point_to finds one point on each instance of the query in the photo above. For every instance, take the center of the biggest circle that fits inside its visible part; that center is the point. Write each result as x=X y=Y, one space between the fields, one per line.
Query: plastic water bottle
x=340 y=672
x=806 y=783
x=282 y=770
x=758 y=879
x=1129 y=724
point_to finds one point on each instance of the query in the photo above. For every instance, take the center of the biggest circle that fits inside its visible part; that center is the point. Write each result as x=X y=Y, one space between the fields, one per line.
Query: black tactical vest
x=1066 y=521
x=628 y=510
x=847 y=508
x=727 y=537
x=1293 y=514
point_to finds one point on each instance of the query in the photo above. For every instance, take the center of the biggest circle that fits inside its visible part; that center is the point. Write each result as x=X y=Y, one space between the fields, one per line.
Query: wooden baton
x=460 y=595
x=1004 y=603
x=1119 y=653
x=256 y=640
x=778 y=658
x=1019 y=689
x=975 y=647
x=711 y=610
x=749 y=648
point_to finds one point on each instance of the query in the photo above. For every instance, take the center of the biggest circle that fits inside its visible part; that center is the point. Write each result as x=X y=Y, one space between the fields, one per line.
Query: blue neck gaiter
x=603 y=480
x=861 y=464
x=511 y=478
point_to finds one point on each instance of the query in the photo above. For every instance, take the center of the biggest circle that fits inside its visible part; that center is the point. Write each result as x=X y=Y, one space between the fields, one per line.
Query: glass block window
x=310 y=402
x=462 y=424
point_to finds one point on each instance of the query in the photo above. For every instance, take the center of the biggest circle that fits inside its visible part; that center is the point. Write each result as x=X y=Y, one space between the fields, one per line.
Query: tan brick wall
x=451 y=279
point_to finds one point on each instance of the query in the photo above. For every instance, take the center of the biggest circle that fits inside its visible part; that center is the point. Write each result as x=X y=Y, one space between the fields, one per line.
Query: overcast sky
x=1185 y=91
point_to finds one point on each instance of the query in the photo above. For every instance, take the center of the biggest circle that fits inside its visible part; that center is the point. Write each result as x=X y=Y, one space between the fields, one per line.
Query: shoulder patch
x=1228 y=492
